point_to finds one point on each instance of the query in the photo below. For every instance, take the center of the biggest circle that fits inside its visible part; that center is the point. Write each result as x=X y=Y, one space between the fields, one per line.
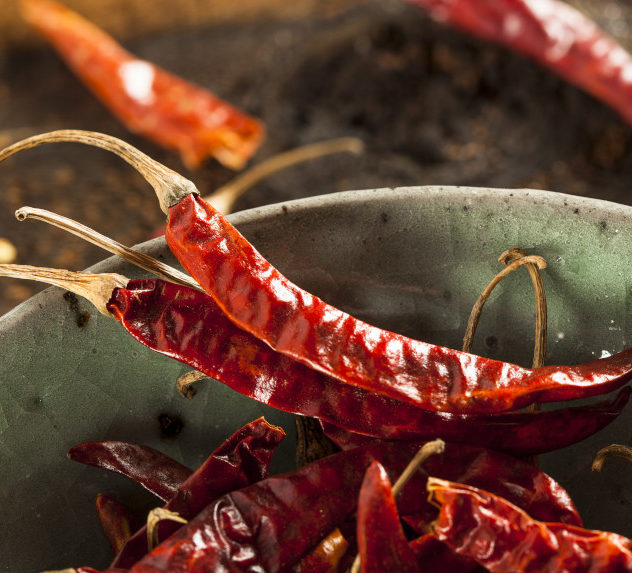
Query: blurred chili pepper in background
x=148 y=100
x=554 y=34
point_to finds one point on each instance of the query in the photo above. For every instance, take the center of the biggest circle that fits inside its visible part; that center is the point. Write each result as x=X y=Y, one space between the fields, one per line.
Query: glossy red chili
x=155 y=471
x=503 y=538
x=517 y=433
x=187 y=325
x=260 y=300
x=554 y=34
x=244 y=458
x=147 y=99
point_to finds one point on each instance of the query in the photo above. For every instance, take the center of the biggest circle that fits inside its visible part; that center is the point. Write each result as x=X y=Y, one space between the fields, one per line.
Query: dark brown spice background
x=432 y=105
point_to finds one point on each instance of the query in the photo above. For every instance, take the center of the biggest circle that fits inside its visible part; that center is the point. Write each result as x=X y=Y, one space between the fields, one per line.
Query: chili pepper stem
x=170 y=187
x=539 y=349
x=139 y=259
x=224 y=197
x=154 y=517
x=475 y=315
x=97 y=288
x=184 y=384
x=428 y=449
x=618 y=450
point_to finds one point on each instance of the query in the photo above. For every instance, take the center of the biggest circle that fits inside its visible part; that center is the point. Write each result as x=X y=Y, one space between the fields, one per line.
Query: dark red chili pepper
x=147 y=99
x=382 y=543
x=116 y=520
x=502 y=537
x=257 y=298
x=432 y=555
x=155 y=471
x=552 y=33
x=244 y=458
x=517 y=433
x=187 y=325
x=271 y=525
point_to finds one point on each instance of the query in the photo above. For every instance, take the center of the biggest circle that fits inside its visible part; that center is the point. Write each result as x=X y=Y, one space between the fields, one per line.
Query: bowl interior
x=411 y=260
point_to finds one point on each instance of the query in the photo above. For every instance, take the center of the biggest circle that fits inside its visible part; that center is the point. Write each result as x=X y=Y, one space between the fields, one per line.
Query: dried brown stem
x=613 y=450
x=139 y=259
x=170 y=187
x=186 y=381
x=154 y=517
x=475 y=315
x=97 y=288
x=428 y=449
x=539 y=349
x=225 y=196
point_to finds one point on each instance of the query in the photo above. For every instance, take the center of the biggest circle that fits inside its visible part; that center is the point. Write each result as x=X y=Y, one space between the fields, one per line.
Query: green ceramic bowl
x=412 y=260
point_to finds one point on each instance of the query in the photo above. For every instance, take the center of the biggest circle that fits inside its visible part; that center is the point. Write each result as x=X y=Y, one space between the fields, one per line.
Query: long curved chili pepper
x=259 y=299
x=517 y=433
x=256 y=297
x=503 y=538
x=244 y=458
x=185 y=324
x=155 y=471
x=552 y=33
x=382 y=543
x=148 y=100
x=116 y=520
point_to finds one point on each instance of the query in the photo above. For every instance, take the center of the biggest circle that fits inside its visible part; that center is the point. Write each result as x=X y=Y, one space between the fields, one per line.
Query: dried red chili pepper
x=259 y=299
x=248 y=529
x=502 y=537
x=147 y=99
x=116 y=520
x=217 y=347
x=244 y=458
x=185 y=324
x=382 y=542
x=517 y=433
x=155 y=471
x=552 y=33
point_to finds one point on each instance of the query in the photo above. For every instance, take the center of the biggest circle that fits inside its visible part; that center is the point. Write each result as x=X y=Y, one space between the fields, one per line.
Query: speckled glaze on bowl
x=410 y=259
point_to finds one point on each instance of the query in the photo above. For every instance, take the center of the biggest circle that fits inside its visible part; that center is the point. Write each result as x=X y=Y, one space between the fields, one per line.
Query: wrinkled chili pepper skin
x=148 y=100
x=517 y=433
x=155 y=471
x=552 y=33
x=244 y=458
x=187 y=325
x=252 y=525
x=268 y=526
x=503 y=538
x=260 y=300
x=116 y=520
x=382 y=543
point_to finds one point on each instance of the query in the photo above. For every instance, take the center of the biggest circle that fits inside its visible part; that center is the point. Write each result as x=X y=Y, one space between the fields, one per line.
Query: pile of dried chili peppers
x=378 y=395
